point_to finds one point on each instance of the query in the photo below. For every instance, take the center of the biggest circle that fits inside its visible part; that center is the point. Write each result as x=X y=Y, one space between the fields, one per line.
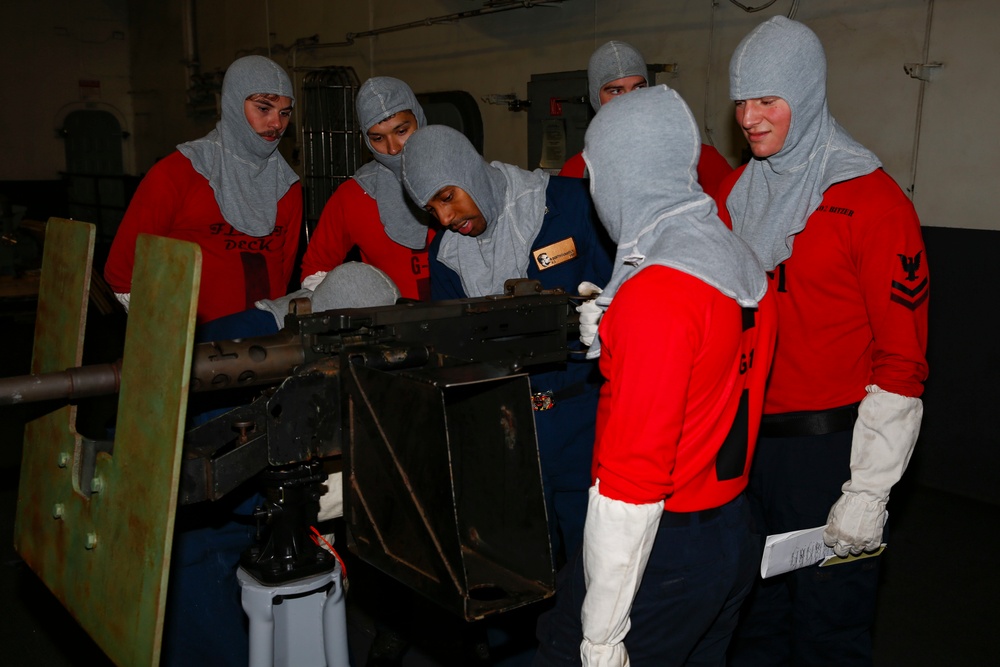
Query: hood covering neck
x=379 y=98
x=774 y=196
x=511 y=200
x=613 y=60
x=246 y=172
x=646 y=192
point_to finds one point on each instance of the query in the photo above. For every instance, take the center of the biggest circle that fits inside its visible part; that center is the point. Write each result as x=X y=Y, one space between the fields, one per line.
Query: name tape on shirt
x=555 y=254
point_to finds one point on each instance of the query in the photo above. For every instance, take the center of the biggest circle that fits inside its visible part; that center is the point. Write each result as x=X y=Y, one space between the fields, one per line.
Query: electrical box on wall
x=558 y=114
x=557 y=118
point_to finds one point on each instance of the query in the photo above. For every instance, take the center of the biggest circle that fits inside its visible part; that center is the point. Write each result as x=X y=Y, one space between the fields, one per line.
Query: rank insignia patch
x=904 y=291
x=555 y=254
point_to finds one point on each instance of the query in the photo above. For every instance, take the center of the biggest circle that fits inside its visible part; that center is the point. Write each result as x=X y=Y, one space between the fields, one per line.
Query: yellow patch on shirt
x=555 y=254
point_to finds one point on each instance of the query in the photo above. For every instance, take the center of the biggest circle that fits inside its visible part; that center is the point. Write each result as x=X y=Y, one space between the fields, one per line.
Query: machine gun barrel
x=72 y=383
x=214 y=366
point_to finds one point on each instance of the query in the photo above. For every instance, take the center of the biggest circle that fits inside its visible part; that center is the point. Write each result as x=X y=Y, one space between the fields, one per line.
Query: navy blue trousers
x=699 y=572
x=813 y=616
x=205 y=623
x=565 y=451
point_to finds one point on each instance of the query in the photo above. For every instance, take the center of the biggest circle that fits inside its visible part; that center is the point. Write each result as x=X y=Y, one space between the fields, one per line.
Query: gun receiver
x=508 y=330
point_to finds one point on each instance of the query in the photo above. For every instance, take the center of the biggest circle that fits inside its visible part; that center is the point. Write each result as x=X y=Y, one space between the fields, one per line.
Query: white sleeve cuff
x=123 y=299
x=617 y=540
x=603 y=655
x=310 y=282
x=331 y=503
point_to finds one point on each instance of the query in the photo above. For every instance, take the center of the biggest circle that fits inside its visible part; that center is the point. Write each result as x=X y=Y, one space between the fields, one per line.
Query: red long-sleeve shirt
x=350 y=218
x=175 y=201
x=680 y=361
x=852 y=299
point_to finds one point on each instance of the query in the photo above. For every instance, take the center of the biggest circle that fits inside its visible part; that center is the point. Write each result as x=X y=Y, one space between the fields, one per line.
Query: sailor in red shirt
x=685 y=347
x=231 y=192
x=617 y=68
x=370 y=210
x=848 y=272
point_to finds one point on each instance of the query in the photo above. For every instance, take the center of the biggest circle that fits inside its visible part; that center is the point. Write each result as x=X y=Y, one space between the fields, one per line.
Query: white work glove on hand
x=310 y=282
x=617 y=539
x=884 y=436
x=123 y=299
x=331 y=503
x=590 y=312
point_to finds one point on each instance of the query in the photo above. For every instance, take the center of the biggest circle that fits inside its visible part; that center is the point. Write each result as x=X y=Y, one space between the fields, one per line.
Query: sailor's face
x=456 y=211
x=765 y=122
x=268 y=115
x=613 y=89
x=389 y=136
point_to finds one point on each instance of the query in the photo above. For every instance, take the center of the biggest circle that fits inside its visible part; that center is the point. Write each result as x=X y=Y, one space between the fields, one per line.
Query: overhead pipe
x=191 y=63
x=918 y=124
x=490 y=8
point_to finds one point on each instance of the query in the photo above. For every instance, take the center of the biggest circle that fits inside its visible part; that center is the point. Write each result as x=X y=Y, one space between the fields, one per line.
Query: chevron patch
x=910 y=296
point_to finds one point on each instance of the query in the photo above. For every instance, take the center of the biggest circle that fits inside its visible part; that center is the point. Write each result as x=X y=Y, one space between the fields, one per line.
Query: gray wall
x=47 y=49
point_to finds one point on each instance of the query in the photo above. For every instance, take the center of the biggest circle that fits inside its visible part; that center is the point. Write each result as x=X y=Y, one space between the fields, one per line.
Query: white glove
x=123 y=299
x=884 y=435
x=279 y=307
x=310 y=282
x=617 y=539
x=331 y=503
x=590 y=312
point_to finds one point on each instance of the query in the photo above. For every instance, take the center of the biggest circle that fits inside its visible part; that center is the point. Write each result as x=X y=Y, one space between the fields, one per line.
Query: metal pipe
x=920 y=102
x=490 y=8
x=191 y=63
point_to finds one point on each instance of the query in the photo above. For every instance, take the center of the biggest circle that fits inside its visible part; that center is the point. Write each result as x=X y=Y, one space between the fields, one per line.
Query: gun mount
x=426 y=403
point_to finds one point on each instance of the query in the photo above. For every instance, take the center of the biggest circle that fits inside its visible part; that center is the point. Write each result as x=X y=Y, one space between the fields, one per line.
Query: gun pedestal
x=284 y=551
x=291 y=587
x=302 y=622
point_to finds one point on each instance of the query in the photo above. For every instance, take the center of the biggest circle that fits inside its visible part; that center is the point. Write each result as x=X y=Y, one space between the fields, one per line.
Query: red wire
x=317 y=537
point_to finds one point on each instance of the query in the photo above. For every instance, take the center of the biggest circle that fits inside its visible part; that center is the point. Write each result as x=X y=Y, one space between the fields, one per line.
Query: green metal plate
x=106 y=557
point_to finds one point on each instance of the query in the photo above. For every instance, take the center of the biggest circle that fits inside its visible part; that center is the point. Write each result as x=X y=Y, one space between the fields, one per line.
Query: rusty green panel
x=106 y=557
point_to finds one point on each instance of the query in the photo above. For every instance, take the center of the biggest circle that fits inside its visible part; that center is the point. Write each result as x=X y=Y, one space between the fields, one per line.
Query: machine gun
x=297 y=421
x=426 y=403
